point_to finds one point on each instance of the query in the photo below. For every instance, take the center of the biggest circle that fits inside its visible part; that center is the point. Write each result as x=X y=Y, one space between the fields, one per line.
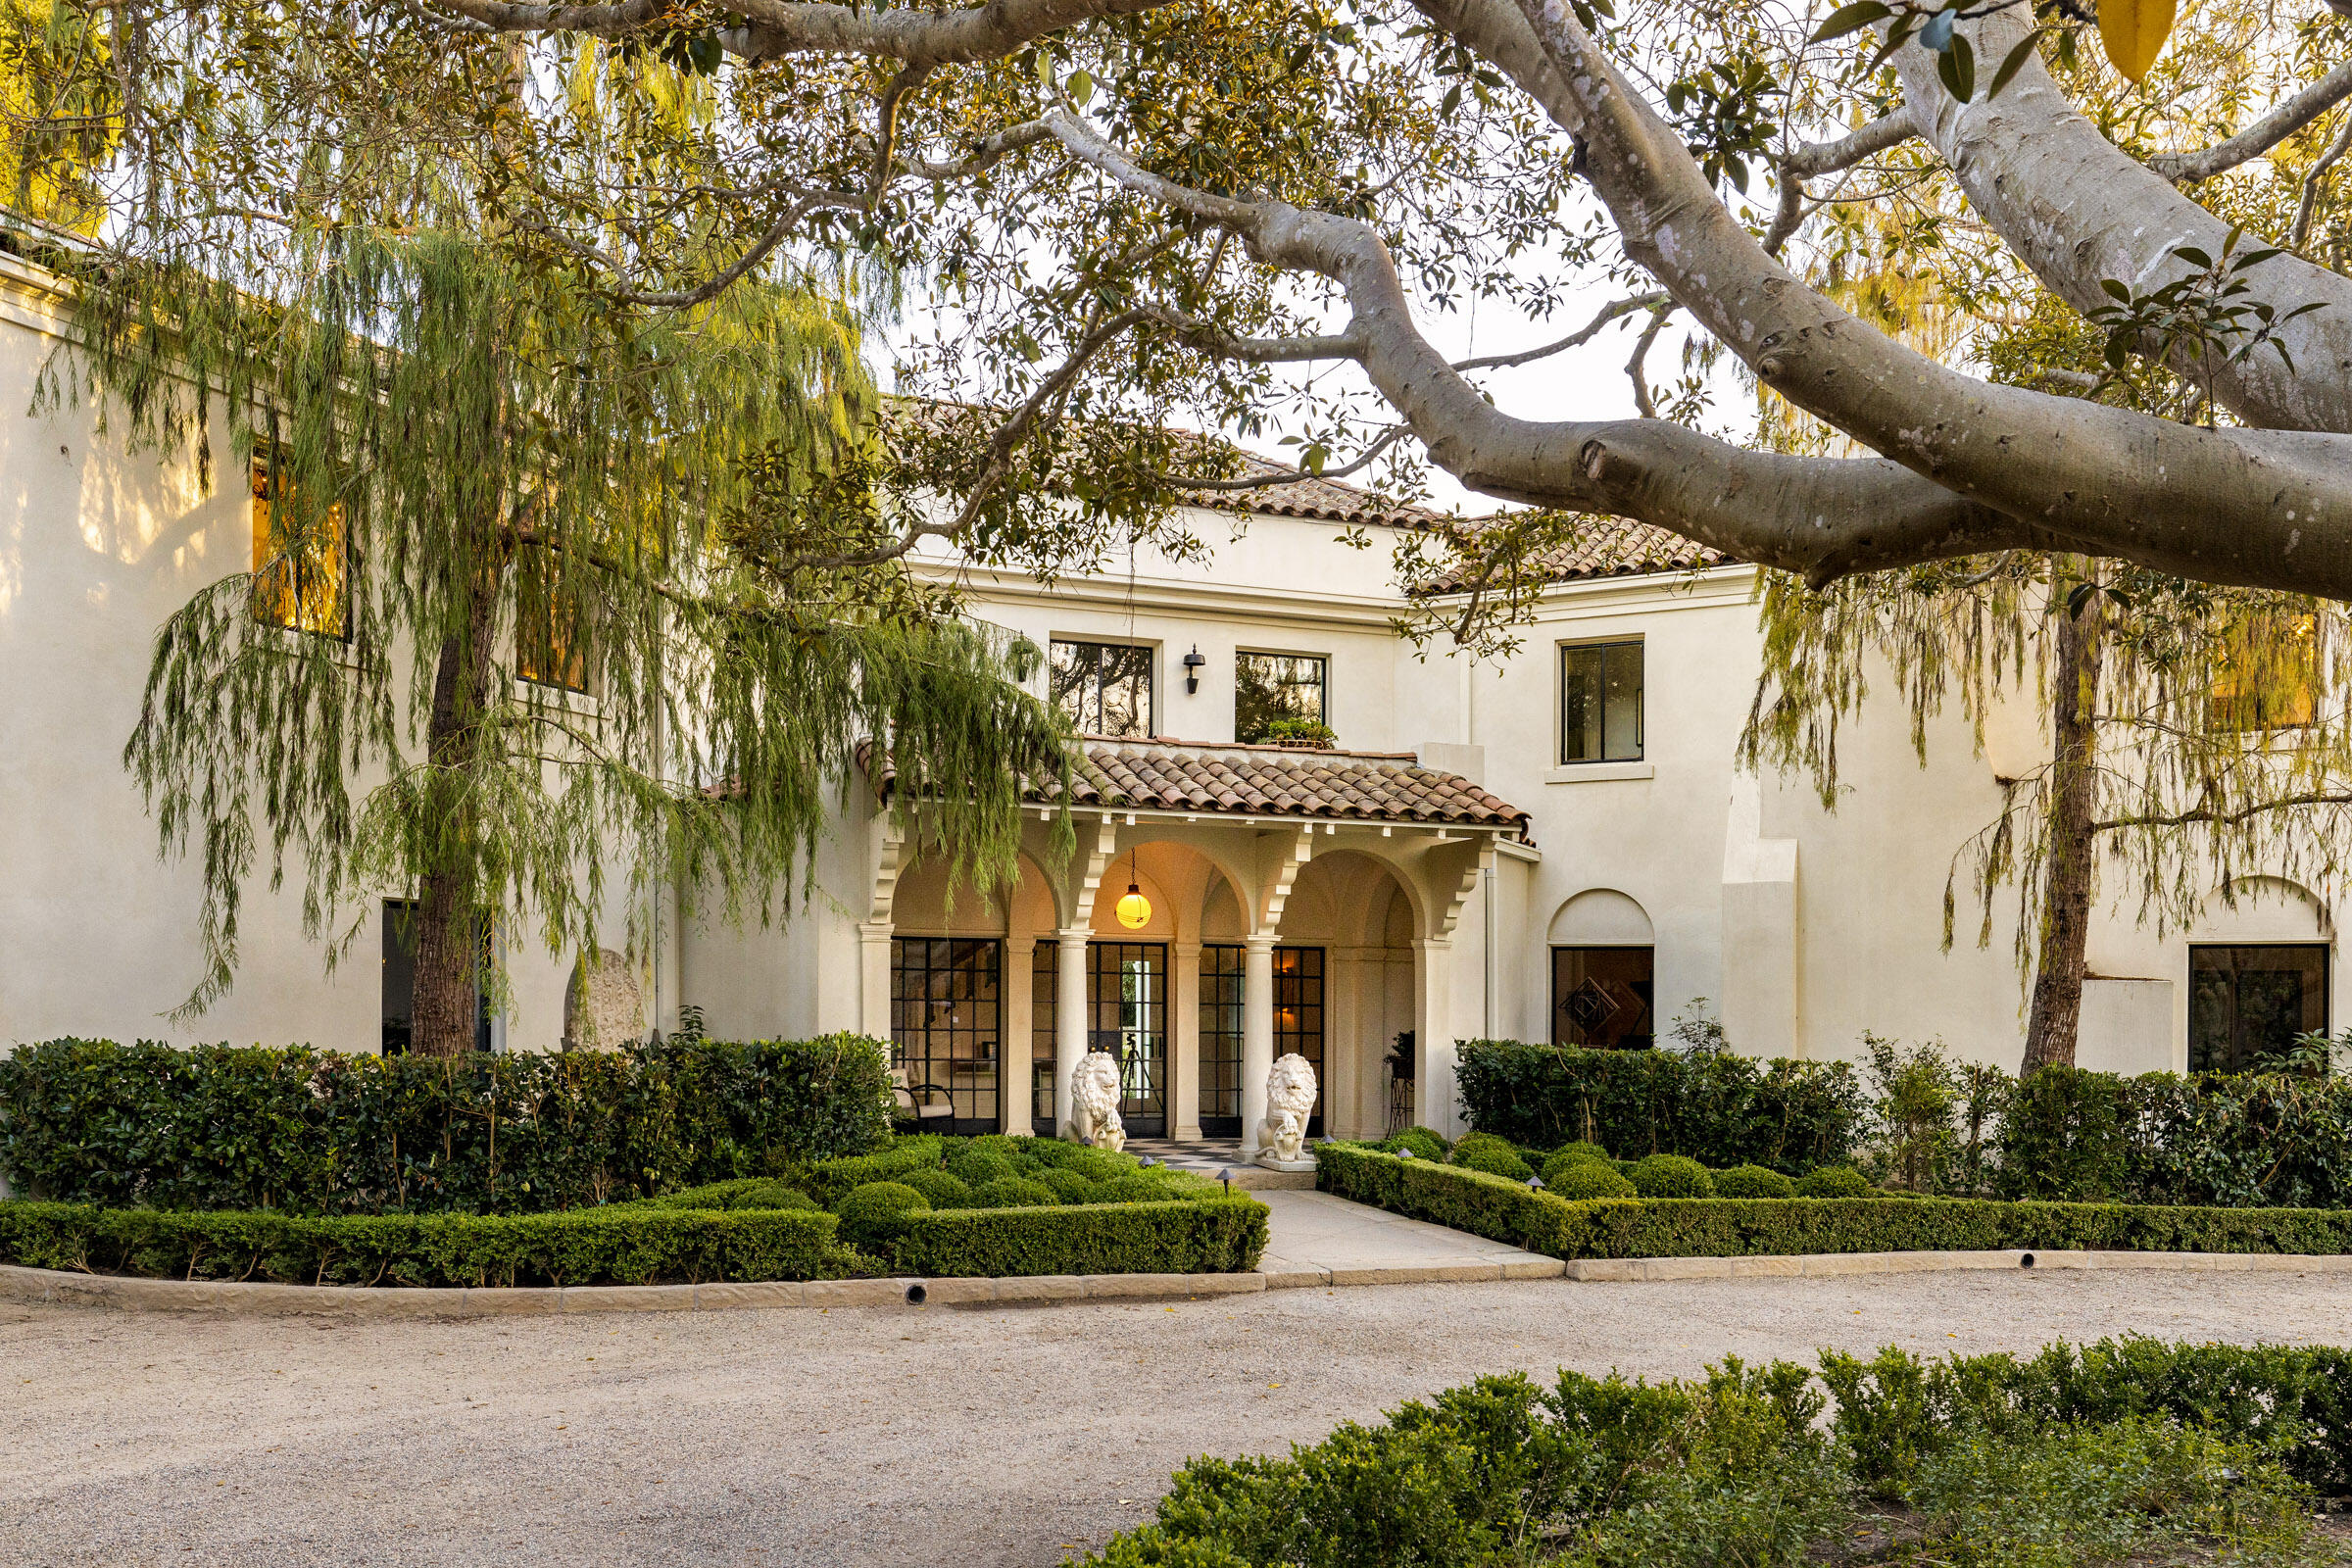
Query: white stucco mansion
x=1555 y=847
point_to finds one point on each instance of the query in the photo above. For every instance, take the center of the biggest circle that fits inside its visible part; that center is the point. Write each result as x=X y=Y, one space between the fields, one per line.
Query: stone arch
x=2263 y=908
x=1601 y=918
x=1405 y=875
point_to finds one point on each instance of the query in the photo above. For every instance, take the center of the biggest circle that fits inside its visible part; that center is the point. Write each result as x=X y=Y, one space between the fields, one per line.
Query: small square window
x=1601 y=702
x=300 y=584
x=1601 y=998
x=1280 y=698
x=549 y=648
x=1105 y=688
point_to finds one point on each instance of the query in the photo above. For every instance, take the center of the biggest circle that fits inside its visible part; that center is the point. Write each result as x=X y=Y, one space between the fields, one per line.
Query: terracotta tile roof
x=1166 y=775
x=1327 y=500
x=1608 y=546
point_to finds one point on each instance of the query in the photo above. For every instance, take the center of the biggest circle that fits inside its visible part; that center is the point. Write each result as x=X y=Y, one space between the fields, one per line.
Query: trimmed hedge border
x=1504 y=1210
x=579 y=1247
x=1186 y=1236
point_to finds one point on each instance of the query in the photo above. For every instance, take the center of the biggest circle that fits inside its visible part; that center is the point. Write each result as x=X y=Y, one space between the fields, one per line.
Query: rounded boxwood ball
x=941 y=1188
x=1094 y=1165
x=1832 y=1181
x=1420 y=1141
x=1136 y=1187
x=1495 y=1161
x=1753 y=1181
x=769 y=1193
x=1014 y=1192
x=977 y=1167
x=1580 y=1178
x=1068 y=1185
x=1584 y=1150
x=1672 y=1176
x=873 y=1213
x=1572 y=1154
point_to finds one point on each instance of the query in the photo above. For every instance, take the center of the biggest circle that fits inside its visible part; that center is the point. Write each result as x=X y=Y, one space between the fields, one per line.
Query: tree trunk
x=2056 y=1017
x=450 y=928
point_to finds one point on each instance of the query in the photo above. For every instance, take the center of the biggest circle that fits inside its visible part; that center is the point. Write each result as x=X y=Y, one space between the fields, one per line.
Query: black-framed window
x=1298 y=1015
x=1274 y=688
x=399 y=984
x=301 y=566
x=1045 y=1016
x=549 y=644
x=1600 y=702
x=1106 y=688
x=1221 y=1041
x=1601 y=998
x=2247 y=1003
x=1127 y=1015
x=946 y=1012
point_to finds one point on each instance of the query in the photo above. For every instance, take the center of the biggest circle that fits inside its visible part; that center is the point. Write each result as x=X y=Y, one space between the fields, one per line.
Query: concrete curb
x=234 y=1298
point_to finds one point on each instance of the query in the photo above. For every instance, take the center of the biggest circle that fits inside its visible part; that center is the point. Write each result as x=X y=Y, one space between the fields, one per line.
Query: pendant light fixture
x=1134 y=910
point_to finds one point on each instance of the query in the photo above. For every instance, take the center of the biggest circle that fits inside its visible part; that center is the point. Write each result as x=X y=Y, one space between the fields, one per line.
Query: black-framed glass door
x=1299 y=1017
x=1220 y=1041
x=1127 y=1015
x=945 y=1027
x=1298 y=1026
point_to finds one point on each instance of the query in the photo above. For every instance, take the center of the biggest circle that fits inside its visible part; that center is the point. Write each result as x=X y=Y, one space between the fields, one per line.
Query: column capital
x=1259 y=942
x=1433 y=944
x=1185 y=950
x=1073 y=935
x=876 y=930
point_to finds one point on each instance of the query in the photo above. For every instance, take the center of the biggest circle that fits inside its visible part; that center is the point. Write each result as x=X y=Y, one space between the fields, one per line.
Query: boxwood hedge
x=1200 y=1236
x=324 y=1132
x=633 y=1246
x=1725 y=1227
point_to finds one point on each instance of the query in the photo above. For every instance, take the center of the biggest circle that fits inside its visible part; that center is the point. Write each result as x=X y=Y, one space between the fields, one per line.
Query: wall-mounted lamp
x=1192 y=671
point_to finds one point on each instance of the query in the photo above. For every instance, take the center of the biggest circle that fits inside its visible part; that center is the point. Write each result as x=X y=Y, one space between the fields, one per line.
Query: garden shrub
x=1589 y=1178
x=939 y=1189
x=753 y=1192
x=1997 y=1460
x=324 y=1132
x=870 y=1215
x=1068 y=1186
x=1497 y=1158
x=1717 y=1108
x=1579 y=1149
x=977 y=1167
x=1564 y=1160
x=833 y=1179
x=1137 y=1187
x=1209 y=1235
x=1014 y=1192
x=1543 y=1221
x=1753 y=1181
x=1833 y=1181
x=1671 y=1176
x=619 y=1245
x=1425 y=1144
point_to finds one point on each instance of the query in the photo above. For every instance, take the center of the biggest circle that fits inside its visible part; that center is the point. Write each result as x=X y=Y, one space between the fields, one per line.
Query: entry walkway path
x=1317 y=1239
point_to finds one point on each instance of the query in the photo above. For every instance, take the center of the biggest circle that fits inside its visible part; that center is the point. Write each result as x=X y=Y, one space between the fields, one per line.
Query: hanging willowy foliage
x=2198 y=735
x=529 y=628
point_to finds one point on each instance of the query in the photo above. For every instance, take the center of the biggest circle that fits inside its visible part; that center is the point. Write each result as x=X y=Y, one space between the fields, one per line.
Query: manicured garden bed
x=1505 y=1210
x=2122 y=1451
x=1094 y=1213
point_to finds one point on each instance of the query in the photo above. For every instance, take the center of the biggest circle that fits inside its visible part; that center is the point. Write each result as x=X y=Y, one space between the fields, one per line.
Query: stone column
x=1184 y=1043
x=1258 y=1033
x=1433 y=1034
x=1069 y=1019
x=1014 y=1030
x=873 y=969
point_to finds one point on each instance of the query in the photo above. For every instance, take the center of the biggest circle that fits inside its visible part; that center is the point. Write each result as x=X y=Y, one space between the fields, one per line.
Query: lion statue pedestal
x=1094 y=1102
x=1290 y=1103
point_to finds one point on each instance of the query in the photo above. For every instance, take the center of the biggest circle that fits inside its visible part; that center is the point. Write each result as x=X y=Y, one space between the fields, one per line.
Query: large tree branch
x=771 y=29
x=1866 y=141
x=2077 y=210
x=2261 y=136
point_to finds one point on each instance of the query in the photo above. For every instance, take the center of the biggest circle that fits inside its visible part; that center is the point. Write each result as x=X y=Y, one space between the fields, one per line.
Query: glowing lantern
x=1134 y=910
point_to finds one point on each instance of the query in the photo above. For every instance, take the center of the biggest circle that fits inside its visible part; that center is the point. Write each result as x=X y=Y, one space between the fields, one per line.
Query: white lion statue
x=1094 y=1102
x=1289 y=1102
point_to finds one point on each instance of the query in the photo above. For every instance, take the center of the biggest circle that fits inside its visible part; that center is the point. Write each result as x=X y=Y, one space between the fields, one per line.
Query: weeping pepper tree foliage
x=517 y=641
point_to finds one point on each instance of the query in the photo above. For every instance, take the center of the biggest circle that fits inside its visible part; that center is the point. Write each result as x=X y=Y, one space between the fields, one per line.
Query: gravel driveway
x=916 y=1436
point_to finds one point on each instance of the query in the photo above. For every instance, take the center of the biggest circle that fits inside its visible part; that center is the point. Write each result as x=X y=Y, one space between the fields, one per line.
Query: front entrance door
x=944 y=1030
x=1127 y=1016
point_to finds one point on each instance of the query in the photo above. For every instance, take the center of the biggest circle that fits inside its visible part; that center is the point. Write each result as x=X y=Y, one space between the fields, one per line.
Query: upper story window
x=2267 y=678
x=1105 y=688
x=1600 y=702
x=549 y=648
x=300 y=584
x=1280 y=698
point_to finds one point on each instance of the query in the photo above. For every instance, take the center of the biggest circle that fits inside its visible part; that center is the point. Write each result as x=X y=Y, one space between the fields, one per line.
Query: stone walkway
x=1317 y=1239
